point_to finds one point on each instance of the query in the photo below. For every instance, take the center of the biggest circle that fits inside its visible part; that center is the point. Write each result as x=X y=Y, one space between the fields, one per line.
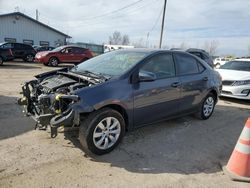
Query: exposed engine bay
x=49 y=97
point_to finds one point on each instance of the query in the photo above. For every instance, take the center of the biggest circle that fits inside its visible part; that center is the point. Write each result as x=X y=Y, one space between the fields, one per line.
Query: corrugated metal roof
x=40 y=23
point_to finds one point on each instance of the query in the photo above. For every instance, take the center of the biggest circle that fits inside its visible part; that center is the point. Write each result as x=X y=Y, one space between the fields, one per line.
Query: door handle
x=205 y=79
x=175 y=84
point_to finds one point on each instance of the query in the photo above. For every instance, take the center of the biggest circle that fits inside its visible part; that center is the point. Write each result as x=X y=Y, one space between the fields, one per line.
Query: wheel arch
x=215 y=93
x=119 y=109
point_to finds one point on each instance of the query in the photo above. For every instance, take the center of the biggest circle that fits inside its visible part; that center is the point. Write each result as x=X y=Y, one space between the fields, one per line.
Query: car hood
x=234 y=74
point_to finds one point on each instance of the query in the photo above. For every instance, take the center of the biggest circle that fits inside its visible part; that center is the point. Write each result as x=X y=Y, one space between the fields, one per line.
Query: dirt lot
x=184 y=152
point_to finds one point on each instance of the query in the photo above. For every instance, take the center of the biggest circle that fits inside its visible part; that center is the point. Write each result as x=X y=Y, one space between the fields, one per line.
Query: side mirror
x=146 y=76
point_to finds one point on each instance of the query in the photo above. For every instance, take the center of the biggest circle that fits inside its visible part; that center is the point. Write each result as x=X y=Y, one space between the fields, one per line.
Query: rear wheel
x=29 y=58
x=217 y=65
x=102 y=131
x=53 y=61
x=1 y=60
x=207 y=107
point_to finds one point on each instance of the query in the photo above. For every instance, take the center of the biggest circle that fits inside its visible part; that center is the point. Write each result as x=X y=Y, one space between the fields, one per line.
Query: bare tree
x=125 y=40
x=211 y=47
x=116 y=38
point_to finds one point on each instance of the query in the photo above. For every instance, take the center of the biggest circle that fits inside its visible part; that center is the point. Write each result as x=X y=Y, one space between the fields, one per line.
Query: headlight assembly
x=242 y=82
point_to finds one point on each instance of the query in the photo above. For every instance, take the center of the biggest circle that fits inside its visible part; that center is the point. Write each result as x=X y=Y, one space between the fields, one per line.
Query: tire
x=53 y=61
x=1 y=61
x=207 y=107
x=92 y=126
x=217 y=66
x=29 y=58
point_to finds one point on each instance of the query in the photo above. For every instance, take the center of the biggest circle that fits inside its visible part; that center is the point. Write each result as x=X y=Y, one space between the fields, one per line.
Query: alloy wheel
x=208 y=106
x=106 y=133
x=54 y=62
x=29 y=58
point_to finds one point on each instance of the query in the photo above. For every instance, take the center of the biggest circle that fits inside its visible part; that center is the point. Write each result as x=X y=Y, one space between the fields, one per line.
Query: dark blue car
x=119 y=91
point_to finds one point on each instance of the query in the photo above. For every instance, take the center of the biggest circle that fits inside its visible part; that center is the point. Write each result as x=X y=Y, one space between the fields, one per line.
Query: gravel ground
x=184 y=152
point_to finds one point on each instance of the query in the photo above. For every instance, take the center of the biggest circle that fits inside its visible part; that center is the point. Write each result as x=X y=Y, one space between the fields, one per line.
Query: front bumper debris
x=56 y=116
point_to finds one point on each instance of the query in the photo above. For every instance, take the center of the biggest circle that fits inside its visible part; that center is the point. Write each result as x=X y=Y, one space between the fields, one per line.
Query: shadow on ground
x=19 y=65
x=185 y=145
x=12 y=120
x=232 y=100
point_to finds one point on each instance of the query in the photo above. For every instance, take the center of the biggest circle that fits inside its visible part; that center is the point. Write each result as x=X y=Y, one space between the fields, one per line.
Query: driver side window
x=161 y=65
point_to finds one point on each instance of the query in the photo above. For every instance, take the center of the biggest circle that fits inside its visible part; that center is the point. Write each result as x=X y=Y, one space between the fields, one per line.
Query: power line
x=156 y=21
x=113 y=17
x=114 y=11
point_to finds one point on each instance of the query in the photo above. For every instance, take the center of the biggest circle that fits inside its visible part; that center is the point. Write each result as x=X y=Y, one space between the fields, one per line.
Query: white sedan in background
x=220 y=61
x=236 y=79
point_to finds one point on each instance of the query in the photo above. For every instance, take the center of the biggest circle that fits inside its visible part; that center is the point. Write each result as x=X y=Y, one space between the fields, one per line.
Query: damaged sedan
x=119 y=91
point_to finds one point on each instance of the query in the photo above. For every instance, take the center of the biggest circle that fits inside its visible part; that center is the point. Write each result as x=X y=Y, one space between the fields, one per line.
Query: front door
x=67 y=55
x=157 y=99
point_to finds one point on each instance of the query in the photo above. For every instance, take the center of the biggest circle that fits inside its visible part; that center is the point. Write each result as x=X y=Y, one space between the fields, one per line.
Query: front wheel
x=53 y=61
x=207 y=107
x=102 y=131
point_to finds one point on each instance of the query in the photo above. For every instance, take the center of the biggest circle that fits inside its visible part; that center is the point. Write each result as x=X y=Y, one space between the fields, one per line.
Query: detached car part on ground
x=119 y=91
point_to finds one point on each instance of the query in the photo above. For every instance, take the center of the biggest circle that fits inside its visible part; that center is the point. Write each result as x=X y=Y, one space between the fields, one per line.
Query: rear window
x=198 y=54
x=237 y=65
x=186 y=64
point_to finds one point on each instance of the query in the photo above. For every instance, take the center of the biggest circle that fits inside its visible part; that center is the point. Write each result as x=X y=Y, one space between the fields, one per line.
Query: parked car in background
x=236 y=79
x=44 y=48
x=220 y=61
x=19 y=50
x=111 y=47
x=122 y=90
x=5 y=55
x=201 y=54
x=63 y=54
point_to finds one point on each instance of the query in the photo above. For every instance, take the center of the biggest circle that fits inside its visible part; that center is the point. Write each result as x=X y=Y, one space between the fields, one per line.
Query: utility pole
x=36 y=15
x=162 y=23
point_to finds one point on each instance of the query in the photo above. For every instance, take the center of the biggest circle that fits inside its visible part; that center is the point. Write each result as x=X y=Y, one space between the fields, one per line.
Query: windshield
x=57 y=49
x=237 y=65
x=112 y=63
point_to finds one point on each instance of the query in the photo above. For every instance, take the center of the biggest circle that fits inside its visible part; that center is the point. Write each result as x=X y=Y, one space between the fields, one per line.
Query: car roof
x=243 y=59
x=195 y=50
x=67 y=46
x=151 y=50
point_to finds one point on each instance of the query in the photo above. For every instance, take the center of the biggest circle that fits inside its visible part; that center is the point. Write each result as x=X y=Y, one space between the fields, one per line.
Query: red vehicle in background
x=63 y=54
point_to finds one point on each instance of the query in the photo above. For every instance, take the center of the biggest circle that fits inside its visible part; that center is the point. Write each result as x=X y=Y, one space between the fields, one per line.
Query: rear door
x=158 y=99
x=79 y=54
x=194 y=80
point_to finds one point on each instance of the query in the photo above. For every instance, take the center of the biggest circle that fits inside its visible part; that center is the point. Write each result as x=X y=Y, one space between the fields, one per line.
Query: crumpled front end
x=50 y=101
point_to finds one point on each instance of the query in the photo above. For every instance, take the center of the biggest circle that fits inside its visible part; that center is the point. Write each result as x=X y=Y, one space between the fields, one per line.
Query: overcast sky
x=192 y=22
